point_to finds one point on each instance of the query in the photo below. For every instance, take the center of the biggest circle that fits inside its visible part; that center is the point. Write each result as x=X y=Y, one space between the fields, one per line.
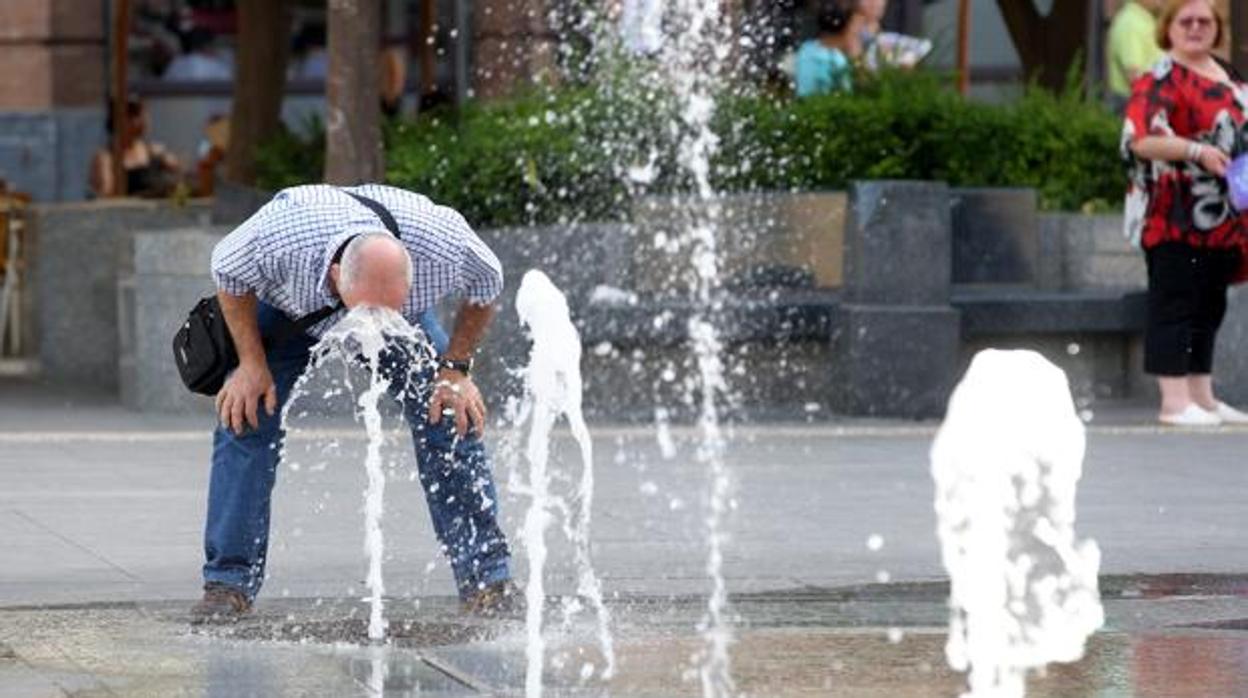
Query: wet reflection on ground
x=1171 y=637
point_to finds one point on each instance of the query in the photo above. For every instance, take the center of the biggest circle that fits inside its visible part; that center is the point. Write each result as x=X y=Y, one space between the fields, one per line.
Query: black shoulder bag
x=203 y=348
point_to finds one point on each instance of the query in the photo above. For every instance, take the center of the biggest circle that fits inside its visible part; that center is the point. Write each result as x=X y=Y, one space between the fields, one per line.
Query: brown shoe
x=221 y=604
x=496 y=600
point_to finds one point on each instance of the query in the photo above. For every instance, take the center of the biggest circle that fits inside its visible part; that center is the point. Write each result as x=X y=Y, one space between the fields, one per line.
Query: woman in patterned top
x=1184 y=123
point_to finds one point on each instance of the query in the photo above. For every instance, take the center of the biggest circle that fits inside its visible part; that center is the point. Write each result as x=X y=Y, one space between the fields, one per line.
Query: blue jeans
x=244 y=469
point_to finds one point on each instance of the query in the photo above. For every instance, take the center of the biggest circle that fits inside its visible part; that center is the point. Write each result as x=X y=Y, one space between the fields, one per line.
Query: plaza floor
x=101 y=510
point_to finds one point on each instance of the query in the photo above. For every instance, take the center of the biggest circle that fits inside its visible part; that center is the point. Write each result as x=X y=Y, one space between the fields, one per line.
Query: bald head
x=375 y=270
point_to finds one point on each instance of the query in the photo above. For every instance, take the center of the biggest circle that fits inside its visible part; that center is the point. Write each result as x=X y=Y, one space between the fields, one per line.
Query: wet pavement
x=101 y=511
x=1165 y=637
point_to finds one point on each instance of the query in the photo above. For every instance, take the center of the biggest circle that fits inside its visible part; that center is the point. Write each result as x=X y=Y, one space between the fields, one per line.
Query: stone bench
x=1012 y=311
x=789 y=316
x=812 y=315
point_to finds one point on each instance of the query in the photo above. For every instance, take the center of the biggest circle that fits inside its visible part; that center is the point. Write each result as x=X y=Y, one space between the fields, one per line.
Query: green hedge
x=565 y=156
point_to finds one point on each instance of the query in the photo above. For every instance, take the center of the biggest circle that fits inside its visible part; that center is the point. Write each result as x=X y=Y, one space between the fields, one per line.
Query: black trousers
x=1186 y=304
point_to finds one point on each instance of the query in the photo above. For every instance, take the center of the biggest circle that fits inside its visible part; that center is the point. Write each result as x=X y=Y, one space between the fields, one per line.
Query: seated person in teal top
x=823 y=64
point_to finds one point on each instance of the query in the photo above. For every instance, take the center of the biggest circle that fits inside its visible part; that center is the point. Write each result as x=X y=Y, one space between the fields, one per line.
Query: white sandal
x=1194 y=416
x=1230 y=415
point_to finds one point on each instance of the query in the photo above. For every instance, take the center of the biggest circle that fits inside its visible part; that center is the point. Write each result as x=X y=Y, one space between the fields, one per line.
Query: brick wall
x=513 y=46
x=53 y=53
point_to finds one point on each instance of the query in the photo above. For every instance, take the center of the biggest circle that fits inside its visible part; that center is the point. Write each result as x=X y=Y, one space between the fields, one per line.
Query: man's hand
x=456 y=393
x=238 y=403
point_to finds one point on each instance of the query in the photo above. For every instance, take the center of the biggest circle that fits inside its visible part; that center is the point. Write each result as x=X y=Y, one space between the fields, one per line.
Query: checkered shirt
x=283 y=252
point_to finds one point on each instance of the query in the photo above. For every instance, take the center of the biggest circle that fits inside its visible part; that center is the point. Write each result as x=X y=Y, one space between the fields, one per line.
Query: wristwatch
x=463 y=366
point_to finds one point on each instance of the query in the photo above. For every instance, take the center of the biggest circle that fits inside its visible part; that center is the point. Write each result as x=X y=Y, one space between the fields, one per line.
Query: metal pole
x=463 y=39
x=425 y=50
x=120 y=62
x=1094 y=73
x=964 y=47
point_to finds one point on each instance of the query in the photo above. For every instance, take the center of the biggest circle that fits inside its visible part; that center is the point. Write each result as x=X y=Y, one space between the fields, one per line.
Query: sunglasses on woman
x=1199 y=22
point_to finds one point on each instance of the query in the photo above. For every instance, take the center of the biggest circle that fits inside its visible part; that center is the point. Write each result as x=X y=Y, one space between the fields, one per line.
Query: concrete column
x=897 y=348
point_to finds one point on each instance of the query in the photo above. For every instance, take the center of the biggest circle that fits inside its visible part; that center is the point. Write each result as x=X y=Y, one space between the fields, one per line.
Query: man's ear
x=335 y=270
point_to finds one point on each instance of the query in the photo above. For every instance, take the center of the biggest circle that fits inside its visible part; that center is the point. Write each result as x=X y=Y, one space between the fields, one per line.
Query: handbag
x=203 y=349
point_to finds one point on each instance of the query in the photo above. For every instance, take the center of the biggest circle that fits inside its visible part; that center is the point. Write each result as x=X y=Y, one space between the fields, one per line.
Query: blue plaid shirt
x=283 y=252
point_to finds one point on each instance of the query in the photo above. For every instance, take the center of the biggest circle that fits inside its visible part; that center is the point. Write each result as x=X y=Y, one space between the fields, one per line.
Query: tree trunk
x=1239 y=36
x=1048 y=45
x=259 y=83
x=353 y=147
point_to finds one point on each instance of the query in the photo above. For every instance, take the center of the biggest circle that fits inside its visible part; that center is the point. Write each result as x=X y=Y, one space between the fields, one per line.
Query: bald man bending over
x=317 y=246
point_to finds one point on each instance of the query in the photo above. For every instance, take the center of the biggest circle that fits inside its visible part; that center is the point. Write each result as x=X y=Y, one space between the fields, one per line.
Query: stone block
x=234 y=203
x=994 y=236
x=778 y=317
x=79 y=132
x=1092 y=252
x=68 y=20
x=44 y=48
x=1108 y=271
x=68 y=87
x=898 y=243
x=896 y=361
x=759 y=236
x=1050 y=265
x=577 y=258
x=1140 y=385
x=78 y=253
x=46 y=154
x=170 y=274
x=765 y=380
x=1097 y=365
x=518 y=19
x=1230 y=366
x=1030 y=311
x=510 y=63
x=27 y=151
x=34 y=64
x=27 y=21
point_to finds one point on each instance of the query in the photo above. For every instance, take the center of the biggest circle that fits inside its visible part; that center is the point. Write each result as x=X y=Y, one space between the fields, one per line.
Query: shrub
x=559 y=157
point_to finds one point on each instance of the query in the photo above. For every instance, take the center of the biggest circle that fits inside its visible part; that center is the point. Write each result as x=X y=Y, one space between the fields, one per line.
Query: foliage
x=290 y=158
x=584 y=154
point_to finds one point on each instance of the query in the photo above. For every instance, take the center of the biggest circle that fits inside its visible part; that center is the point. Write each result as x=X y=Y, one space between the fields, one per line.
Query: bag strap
x=382 y=212
x=289 y=330
x=305 y=323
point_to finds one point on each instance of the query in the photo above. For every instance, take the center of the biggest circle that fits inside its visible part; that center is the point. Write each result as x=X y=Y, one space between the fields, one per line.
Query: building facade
x=53 y=59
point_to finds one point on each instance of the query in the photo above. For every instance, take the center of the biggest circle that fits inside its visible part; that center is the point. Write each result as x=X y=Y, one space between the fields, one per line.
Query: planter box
x=78 y=254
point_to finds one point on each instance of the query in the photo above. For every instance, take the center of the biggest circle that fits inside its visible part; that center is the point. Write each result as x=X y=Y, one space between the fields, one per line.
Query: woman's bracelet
x=1194 y=151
